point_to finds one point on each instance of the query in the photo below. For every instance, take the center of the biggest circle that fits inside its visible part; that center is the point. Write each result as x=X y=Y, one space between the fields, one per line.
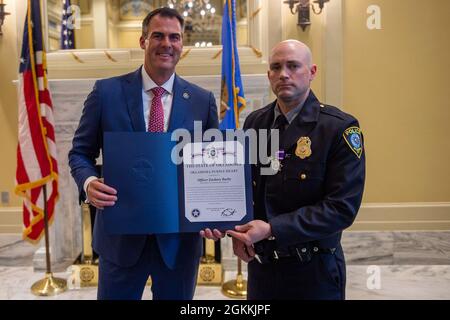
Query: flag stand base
x=49 y=286
x=236 y=288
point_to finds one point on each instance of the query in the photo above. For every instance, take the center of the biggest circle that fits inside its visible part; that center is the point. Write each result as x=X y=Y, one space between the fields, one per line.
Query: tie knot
x=158 y=91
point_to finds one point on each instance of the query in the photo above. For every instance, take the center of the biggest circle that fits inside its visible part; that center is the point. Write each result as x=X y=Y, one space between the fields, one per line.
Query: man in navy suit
x=152 y=98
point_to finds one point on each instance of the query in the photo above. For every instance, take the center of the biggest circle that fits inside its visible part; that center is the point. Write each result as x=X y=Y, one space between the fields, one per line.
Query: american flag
x=36 y=150
x=67 y=34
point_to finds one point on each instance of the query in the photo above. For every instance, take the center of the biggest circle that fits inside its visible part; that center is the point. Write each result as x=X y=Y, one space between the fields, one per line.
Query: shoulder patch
x=352 y=136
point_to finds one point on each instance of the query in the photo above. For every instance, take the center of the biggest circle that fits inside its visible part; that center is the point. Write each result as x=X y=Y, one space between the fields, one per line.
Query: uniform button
x=315 y=249
x=303 y=250
x=254 y=183
x=253 y=202
x=303 y=176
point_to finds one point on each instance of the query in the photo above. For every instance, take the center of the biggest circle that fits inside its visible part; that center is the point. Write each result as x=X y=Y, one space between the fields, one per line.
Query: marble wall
x=68 y=97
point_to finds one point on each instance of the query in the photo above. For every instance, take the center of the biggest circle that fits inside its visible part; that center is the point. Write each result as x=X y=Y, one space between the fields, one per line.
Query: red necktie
x=156 y=119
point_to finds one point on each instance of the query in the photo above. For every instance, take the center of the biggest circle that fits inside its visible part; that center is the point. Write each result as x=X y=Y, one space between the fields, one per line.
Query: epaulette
x=334 y=111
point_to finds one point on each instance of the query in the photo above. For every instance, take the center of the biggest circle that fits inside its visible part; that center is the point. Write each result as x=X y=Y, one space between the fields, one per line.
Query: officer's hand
x=246 y=253
x=212 y=235
x=251 y=232
x=101 y=195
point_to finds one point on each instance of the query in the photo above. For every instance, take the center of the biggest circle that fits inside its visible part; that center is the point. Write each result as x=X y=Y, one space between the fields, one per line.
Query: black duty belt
x=268 y=252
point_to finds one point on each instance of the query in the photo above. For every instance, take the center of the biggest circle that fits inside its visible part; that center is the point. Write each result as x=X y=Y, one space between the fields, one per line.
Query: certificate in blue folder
x=157 y=195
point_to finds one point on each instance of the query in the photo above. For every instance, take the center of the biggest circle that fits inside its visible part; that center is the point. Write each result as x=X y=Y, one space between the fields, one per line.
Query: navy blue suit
x=308 y=203
x=115 y=104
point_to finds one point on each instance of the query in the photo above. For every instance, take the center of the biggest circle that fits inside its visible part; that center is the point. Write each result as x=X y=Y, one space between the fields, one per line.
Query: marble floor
x=381 y=266
x=407 y=282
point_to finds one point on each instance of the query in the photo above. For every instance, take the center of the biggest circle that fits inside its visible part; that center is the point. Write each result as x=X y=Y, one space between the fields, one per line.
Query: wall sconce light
x=302 y=9
x=3 y=14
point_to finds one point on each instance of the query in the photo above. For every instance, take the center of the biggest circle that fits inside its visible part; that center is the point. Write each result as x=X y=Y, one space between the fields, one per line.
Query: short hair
x=163 y=12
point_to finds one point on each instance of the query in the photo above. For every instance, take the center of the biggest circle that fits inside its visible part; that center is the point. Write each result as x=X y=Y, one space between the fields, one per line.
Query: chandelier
x=199 y=17
x=194 y=9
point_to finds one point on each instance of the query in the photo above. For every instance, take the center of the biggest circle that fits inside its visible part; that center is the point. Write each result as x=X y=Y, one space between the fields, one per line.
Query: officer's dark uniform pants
x=322 y=278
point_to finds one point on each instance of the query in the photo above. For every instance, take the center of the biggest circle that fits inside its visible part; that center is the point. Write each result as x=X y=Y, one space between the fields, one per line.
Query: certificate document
x=210 y=186
x=214 y=181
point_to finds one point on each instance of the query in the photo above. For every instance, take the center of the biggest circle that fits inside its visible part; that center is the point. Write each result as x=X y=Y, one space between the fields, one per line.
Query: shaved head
x=302 y=50
x=290 y=73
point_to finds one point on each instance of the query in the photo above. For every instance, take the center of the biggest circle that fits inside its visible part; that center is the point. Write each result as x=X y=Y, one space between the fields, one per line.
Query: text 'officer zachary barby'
x=293 y=246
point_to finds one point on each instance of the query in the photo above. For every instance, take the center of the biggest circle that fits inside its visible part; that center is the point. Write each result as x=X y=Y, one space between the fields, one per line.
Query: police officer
x=293 y=245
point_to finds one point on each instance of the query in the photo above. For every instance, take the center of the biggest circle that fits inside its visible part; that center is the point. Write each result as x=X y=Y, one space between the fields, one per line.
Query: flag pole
x=236 y=288
x=49 y=286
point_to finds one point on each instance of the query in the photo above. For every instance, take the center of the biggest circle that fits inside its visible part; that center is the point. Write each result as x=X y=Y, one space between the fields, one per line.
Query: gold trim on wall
x=254 y=14
x=77 y=59
x=258 y=53
x=215 y=56
x=184 y=54
x=109 y=56
x=403 y=216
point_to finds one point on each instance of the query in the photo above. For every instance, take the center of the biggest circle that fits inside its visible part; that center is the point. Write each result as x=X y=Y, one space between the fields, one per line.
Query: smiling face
x=163 y=44
x=291 y=72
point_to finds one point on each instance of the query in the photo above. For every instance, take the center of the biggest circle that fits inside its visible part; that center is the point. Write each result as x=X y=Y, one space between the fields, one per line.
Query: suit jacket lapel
x=132 y=88
x=180 y=104
x=302 y=125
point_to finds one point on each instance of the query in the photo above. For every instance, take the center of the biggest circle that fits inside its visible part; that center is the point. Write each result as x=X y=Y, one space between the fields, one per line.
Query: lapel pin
x=186 y=95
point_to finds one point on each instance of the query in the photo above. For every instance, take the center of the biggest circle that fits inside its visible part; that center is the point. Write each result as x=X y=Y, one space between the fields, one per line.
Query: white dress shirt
x=147 y=96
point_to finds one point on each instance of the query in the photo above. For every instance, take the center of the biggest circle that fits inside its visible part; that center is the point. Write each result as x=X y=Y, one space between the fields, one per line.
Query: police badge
x=303 y=149
x=352 y=136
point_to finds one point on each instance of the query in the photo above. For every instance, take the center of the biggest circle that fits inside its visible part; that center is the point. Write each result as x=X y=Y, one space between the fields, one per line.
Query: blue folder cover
x=150 y=187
